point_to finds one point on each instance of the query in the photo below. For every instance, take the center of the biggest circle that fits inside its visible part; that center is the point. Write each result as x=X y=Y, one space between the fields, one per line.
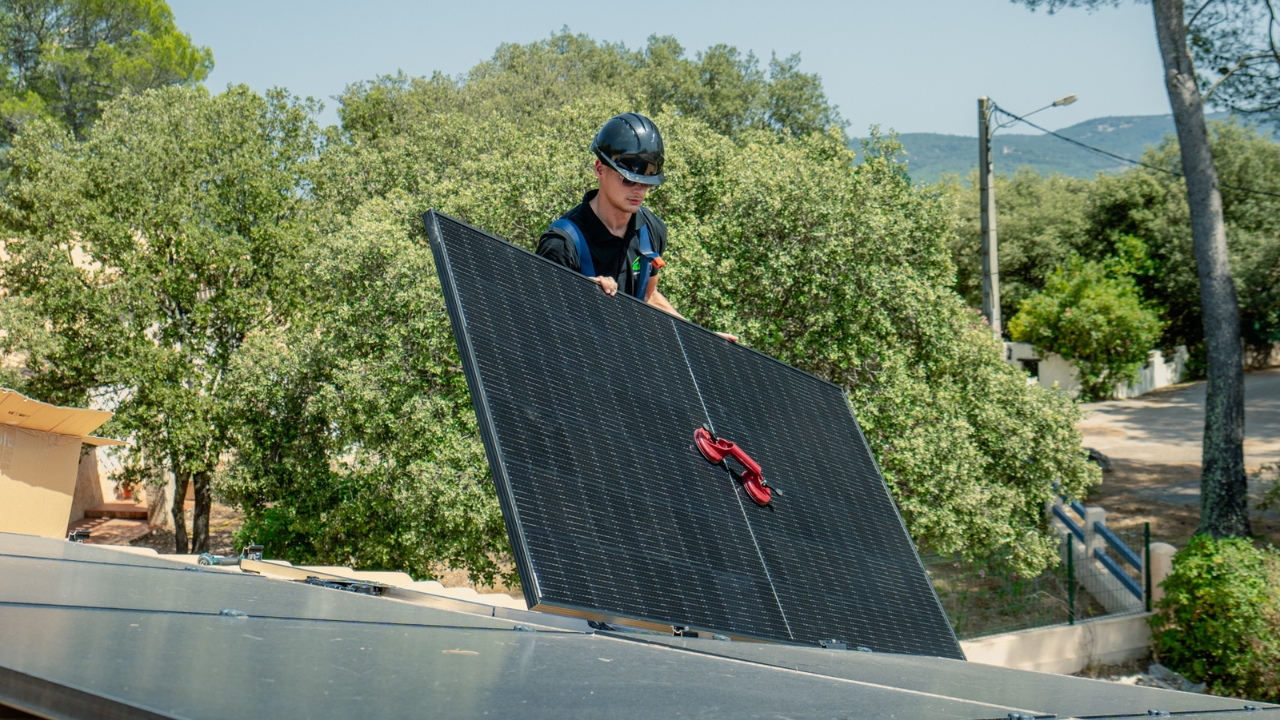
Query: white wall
x=1055 y=372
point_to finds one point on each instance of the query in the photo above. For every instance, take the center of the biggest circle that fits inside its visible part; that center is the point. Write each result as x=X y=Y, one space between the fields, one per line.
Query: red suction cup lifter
x=717 y=449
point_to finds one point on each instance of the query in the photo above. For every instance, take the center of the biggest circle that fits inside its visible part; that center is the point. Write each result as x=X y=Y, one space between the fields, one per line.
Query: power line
x=1122 y=158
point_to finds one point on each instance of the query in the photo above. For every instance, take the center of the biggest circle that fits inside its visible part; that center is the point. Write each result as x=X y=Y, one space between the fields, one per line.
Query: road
x=1166 y=428
x=1168 y=425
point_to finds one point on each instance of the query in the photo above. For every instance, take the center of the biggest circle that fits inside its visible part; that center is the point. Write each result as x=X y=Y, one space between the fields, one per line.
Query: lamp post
x=987 y=196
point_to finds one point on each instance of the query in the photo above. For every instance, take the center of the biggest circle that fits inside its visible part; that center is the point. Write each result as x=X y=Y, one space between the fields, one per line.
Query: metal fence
x=1100 y=573
x=1103 y=559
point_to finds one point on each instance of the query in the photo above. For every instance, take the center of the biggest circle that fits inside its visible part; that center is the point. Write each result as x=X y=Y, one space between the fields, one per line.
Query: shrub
x=1093 y=316
x=1219 y=621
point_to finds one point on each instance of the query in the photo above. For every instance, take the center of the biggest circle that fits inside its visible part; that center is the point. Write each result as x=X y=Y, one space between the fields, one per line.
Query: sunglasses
x=631 y=183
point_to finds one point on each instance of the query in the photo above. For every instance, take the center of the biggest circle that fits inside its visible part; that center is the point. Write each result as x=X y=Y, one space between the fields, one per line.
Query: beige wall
x=37 y=481
x=1065 y=649
x=88 y=491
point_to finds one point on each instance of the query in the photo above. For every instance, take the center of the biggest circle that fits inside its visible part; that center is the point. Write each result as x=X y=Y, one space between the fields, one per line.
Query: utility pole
x=987 y=193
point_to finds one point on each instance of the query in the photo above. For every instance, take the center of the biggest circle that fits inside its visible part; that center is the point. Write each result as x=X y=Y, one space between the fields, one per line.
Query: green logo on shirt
x=635 y=265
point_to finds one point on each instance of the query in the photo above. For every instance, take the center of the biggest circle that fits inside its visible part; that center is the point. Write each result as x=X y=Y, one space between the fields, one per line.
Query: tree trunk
x=1223 y=488
x=204 y=503
x=180 y=481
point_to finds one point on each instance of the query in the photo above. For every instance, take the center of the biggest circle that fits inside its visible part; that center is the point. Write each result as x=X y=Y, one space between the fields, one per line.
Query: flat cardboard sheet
x=37 y=480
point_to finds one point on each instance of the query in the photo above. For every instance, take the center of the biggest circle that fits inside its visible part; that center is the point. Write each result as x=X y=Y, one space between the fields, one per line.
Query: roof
x=92 y=632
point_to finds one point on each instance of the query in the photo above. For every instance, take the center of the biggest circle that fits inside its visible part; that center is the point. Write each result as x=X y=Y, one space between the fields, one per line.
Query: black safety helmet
x=631 y=144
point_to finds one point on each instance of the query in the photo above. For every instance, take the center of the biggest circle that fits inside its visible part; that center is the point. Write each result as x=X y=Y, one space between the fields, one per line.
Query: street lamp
x=987 y=196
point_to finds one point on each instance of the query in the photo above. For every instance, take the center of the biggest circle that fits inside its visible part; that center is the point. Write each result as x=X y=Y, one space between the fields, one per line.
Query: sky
x=907 y=65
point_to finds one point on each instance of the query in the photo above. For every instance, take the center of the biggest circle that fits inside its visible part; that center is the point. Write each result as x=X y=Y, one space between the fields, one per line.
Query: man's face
x=619 y=192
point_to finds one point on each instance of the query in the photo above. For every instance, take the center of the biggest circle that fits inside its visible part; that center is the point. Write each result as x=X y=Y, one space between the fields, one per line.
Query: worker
x=610 y=237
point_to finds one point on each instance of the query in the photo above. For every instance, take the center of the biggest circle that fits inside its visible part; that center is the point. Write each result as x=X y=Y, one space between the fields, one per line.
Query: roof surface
x=91 y=632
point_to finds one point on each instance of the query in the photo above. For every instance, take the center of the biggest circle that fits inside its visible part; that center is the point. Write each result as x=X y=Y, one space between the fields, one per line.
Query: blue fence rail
x=1072 y=525
x=1098 y=540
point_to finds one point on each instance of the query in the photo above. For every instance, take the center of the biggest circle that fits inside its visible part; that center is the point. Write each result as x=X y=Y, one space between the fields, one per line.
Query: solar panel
x=588 y=407
x=82 y=637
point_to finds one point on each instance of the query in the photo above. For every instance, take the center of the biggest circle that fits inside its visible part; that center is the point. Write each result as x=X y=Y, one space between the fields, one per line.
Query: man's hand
x=728 y=336
x=607 y=284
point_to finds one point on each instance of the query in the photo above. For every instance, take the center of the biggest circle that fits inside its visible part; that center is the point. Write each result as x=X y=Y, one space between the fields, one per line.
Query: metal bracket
x=355 y=586
x=211 y=559
x=78 y=536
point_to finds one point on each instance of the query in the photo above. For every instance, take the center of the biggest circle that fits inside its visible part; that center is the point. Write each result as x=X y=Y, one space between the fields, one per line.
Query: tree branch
x=1240 y=64
x=1196 y=14
x=1271 y=30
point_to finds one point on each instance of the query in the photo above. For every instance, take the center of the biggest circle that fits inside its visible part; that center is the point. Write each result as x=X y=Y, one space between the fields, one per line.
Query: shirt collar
x=586 y=207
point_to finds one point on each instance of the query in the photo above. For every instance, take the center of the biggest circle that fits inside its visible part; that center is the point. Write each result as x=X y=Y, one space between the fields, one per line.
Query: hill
x=931 y=155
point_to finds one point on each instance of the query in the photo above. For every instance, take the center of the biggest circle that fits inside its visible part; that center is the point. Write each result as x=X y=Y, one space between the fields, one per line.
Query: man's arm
x=560 y=249
x=658 y=300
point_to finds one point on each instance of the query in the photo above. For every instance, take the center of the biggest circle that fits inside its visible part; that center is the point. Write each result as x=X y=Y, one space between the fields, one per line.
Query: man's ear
x=600 y=169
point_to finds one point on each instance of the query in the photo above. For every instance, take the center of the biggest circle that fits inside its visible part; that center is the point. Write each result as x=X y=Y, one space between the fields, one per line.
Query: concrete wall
x=1157 y=373
x=88 y=491
x=1102 y=640
x=1053 y=371
x=1065 y=648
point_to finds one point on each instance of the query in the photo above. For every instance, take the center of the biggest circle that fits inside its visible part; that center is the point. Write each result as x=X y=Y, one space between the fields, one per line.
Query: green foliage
x=141 y=258
x=64 y=58
x=724 y=88
x=1042 y=220
x=1219 y=621
x=354 y=434
x=1093 y=316
x=1152 y=206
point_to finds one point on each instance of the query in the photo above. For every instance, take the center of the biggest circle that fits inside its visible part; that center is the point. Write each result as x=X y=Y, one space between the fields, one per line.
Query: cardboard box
x=39 y=454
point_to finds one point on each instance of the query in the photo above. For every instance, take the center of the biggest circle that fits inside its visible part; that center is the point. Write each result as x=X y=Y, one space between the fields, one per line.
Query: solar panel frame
x=945 y=645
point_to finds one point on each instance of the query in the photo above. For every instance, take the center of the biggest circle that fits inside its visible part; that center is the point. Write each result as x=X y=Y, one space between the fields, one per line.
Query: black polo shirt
x=612 y=256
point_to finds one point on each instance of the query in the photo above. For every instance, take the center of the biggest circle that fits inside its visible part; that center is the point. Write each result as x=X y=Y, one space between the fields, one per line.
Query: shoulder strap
x=648 y=259
x=646 y=242
x=585 y=265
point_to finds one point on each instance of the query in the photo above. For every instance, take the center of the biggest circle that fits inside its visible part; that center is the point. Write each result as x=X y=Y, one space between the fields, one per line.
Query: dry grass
x=223 y=523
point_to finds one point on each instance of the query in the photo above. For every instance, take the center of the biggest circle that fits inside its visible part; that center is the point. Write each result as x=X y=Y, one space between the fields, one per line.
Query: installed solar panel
x=82 y=636
x=588 y=407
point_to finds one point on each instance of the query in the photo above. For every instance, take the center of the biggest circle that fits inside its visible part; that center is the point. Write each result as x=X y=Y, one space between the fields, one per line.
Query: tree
x=1093 y=316
x=65 y=58
x=1042 y=220
x=141 y=258
x=1223 y=485
x=1234 y=45
x=1045 y=219
x=354 y=437
x=720 y=85
x=1152 y=206
x=838 y=268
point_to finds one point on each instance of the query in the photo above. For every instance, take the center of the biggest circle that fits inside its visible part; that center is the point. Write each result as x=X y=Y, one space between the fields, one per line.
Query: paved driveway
x=1168 y=425
x=1166 y=428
